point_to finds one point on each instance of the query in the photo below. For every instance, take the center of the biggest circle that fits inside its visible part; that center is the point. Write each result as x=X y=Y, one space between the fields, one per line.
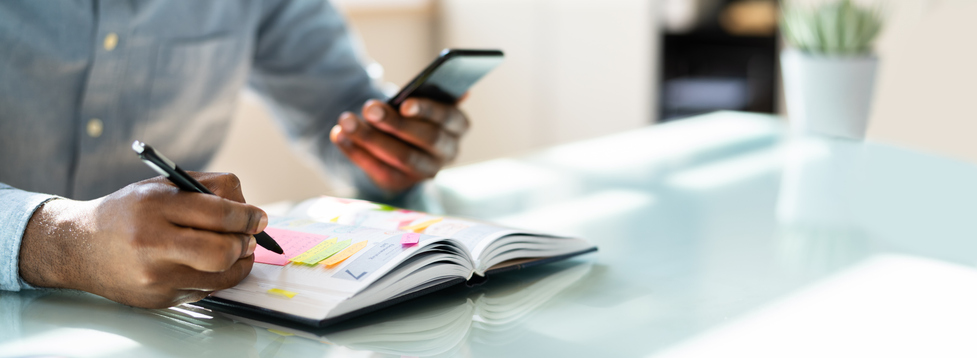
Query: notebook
x=346 y=257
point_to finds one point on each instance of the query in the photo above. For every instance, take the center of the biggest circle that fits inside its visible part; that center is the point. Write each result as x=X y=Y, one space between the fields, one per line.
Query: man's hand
x=147 y=245
x=398 y=150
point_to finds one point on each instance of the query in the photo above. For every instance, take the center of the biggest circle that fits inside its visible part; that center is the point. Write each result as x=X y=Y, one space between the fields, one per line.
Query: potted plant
x=829 y=67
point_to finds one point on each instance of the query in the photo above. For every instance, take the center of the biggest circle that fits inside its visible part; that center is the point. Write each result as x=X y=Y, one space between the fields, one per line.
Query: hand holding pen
x=149 y=244
x=184 y=181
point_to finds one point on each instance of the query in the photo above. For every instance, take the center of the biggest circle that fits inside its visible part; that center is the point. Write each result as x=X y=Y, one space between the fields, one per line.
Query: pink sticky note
x=410 y=239
x=292 y=242
x=405 y=220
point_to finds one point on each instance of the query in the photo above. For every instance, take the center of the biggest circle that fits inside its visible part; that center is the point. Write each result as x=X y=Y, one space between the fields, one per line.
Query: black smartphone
x=449 y=76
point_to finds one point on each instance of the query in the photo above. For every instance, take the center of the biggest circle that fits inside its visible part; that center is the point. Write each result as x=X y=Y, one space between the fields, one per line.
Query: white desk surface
x=719 y=236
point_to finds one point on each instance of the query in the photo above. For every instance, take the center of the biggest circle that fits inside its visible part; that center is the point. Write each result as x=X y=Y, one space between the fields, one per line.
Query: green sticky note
x=385 y=207
x=325 y=244
x=327 y=252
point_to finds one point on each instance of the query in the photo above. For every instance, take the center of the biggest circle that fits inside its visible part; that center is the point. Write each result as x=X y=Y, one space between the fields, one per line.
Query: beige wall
x=574 y=69
x=927 y=84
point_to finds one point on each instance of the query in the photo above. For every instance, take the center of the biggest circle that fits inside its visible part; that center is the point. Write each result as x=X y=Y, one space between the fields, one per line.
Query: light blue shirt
x=80 y=80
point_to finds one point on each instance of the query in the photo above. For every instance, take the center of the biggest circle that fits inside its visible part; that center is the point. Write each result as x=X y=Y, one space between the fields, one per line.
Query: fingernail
x=263 y=222
x=348 y=123
x=251 y=245
x=412 y=109
x=334 y=133
x=374 y=113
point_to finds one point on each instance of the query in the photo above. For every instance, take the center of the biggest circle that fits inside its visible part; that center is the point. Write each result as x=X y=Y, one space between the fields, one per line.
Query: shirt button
x=94 y=127
x=111 y=40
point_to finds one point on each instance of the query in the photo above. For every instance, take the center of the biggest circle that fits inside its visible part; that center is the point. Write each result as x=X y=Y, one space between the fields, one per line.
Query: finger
x=384 y=175
x=448 y=116
x=202 y=250
x=389 y=149
x=186 y=278
x=214 y=213
x=225 y=185
x=423 y=134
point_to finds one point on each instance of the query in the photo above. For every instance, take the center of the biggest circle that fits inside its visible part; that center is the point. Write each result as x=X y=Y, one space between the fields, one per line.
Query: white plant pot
x=828 y=95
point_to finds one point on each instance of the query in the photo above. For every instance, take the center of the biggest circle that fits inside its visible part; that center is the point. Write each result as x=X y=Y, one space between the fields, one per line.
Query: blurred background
x=578 y=69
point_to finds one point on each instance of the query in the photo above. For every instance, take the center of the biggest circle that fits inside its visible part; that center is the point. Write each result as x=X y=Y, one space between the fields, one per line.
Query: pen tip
x=268 y=243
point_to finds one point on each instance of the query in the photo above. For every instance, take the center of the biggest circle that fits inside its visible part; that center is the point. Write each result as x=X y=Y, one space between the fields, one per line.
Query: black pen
x=184 y=181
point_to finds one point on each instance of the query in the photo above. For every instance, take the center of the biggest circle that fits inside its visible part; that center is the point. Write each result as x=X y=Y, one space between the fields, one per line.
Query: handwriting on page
x=294 y=243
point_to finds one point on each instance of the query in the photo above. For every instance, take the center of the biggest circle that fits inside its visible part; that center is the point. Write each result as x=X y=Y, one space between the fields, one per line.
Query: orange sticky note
x=345 y=254
x=420 y=227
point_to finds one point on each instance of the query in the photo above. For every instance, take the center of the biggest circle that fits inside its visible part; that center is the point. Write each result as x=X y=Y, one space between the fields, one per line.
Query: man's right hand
x=147 y=245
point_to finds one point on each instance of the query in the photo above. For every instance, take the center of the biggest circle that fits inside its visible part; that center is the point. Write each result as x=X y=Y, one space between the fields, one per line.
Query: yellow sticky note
x=313 y=250
x=281 y=292
x=333 y=220
x=345 y=254
x=420 y=227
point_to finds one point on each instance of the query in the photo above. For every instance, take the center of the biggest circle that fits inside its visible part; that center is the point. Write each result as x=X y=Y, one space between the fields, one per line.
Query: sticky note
x=313 y=251
x=281 y=292
x=345 y=254
x=292 y=242
x=385 y=207
x=410 y=239
x=404 y=223
x=326 y=252
x=300 y=223
x=419 y=228
x=333 y=220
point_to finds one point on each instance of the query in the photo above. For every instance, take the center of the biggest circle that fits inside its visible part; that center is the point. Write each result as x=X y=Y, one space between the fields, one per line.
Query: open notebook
x=347 y=257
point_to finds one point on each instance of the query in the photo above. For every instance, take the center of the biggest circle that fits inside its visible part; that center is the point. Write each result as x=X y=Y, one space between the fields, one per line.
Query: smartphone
x=449 y=76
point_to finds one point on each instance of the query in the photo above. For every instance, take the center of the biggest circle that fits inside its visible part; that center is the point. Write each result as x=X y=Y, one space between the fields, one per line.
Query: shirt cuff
x=16 y=209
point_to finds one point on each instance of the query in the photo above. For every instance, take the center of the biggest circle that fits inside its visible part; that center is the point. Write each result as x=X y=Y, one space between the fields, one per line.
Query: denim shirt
x=80 y=80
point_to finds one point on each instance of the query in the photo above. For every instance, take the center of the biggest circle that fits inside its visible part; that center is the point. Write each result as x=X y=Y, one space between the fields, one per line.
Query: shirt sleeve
x=16 y=208
x=305 y=64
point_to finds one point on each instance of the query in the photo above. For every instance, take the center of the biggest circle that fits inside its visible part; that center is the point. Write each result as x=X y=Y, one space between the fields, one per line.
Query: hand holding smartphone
x=398 y=150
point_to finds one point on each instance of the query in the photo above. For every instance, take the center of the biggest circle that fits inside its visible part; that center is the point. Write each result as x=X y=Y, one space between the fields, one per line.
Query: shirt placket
x=100 y=129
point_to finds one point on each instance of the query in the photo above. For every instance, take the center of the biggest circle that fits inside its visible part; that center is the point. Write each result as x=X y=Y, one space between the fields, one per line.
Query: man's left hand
x=398 y=150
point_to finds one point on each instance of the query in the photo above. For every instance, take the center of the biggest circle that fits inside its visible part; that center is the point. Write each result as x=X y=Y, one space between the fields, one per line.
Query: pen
x=184 y=181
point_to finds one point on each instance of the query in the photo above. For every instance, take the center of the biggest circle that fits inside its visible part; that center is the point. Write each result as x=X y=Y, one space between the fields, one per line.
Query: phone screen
x=450 y=76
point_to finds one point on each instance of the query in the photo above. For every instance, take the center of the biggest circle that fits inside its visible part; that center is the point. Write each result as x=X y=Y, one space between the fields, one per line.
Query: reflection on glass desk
x=719 y=235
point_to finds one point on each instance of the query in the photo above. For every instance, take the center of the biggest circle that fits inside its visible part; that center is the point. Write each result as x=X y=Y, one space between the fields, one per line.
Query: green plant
x=835 y=28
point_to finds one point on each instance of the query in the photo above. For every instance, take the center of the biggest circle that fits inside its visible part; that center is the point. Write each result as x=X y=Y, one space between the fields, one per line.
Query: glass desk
x=718 y=235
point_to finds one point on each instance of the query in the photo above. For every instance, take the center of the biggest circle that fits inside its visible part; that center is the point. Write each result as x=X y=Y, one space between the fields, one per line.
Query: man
x=80 y=80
